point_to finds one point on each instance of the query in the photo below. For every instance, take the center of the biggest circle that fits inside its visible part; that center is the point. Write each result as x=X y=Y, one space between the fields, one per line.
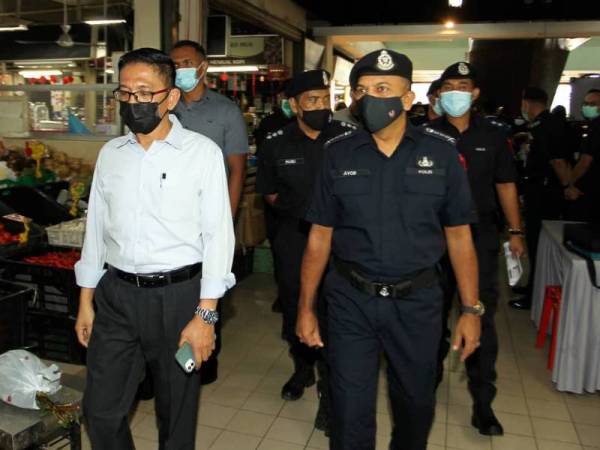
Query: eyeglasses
x=140 y=96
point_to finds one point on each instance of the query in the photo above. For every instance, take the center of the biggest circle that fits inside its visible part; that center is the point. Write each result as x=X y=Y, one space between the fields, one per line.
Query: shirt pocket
x=291 y=167
x=179 y=200
x=351 y=182
x=425 y=182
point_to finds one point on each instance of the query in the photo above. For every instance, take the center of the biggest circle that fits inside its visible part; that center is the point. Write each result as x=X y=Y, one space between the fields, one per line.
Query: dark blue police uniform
x=489 y=158
x=388 y=216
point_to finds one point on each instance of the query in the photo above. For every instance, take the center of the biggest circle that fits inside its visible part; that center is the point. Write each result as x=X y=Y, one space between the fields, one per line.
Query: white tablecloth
x=577 y=361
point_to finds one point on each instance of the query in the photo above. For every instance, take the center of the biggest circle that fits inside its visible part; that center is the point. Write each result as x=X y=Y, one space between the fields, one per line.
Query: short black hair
x=153 y=57
x=593 y=91
x=187 y=43
x=535 y=94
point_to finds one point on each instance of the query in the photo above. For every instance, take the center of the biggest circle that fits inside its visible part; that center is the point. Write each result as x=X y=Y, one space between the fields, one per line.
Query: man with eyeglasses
x=156 y=257
x=386 y=203
x=207 y=112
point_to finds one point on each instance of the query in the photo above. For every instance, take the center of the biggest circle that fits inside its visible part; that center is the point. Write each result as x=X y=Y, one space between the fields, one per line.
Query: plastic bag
x=23 y=375
x=513 y=266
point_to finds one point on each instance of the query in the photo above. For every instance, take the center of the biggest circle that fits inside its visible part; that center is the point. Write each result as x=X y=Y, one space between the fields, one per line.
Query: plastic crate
x=35 y=204
x=36 y=235
x=57 y=290
x=14 y=299
x=52 y=336
x=67 y=234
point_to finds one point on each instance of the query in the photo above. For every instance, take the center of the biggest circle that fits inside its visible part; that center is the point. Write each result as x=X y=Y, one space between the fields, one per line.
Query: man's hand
x=516 y=246
x=572 y=193
x=85 y=322
x=201 y=337
x=307 y=329
x=468 y=331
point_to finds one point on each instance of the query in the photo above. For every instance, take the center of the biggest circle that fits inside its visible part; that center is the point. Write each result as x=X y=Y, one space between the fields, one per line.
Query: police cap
x=434 y=87
x=460 y=70
x=307 y=81
x=382 y=62
x=535 y=94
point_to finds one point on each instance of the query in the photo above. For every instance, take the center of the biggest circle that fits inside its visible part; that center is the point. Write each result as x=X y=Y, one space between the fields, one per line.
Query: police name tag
x=348 y=173
x=424 y=171
x=291 y=161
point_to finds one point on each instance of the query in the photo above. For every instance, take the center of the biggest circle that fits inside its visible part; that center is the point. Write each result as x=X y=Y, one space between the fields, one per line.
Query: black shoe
x=520 y=290
x=209 y=372
x=294 y=388
x=487 y=423
x=523 y=303
x=322 y=419
x=276 y=306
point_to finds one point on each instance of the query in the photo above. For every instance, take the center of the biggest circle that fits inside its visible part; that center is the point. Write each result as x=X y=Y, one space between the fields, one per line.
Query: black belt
x=158 y=279
x=399 y=289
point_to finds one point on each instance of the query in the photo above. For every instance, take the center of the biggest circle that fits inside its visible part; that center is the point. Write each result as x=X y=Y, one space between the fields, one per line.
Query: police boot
x=322 y=419
x=485 y=420
x=303 y=377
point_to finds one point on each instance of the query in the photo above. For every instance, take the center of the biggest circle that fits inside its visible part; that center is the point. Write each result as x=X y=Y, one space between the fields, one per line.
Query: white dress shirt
x=160 y=209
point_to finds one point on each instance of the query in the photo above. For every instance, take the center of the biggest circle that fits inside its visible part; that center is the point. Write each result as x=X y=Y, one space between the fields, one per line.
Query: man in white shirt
x=156 y=257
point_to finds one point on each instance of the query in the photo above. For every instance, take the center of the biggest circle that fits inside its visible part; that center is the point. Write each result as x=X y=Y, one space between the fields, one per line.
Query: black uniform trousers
x=542 y=202
x=134 y=327
x=407 y=330
x=289 y=244
x=481 y=365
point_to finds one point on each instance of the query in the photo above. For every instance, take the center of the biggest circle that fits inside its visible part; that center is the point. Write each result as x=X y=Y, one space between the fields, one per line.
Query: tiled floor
x=243 y=410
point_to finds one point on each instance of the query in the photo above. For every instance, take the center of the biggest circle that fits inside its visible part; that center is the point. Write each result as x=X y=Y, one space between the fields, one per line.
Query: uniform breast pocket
x=428 y=185
x=351 y=183
x=291 y=167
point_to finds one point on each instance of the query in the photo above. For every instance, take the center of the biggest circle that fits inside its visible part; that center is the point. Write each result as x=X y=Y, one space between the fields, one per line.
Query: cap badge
x=325 y=79
x=463 y=69
x=385 y=61
x=425 y=163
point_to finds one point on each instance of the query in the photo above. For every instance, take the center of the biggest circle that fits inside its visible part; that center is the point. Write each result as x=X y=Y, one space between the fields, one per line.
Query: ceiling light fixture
x=39 y=73
x=20 y=27
x=455 y=3
x=105 y=21
x=219 y=69
x=449 y=24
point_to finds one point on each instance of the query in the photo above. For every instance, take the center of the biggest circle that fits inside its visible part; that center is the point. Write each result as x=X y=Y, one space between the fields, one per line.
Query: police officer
x=584 y=189
x=491 y=172
x=546 y=174
x=386 y=202
x=288 y=164
x=434 y=109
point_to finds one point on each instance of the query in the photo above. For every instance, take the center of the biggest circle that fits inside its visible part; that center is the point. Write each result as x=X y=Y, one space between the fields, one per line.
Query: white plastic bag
x=513 y=266
x=23 y=375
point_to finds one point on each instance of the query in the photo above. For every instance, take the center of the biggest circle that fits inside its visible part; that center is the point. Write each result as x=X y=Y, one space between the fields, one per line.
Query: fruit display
x=62 y=260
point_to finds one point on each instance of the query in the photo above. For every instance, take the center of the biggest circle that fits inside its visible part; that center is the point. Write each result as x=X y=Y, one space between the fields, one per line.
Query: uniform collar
x=208 y=94
x=174 y=138
x=474 y=121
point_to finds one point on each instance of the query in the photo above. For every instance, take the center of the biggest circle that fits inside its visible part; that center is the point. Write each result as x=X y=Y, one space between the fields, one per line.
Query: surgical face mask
x=456 y=103
x=317 y=119
x=378 y=113
x=286 y=108
x=187 y=78
x=590 y=112
x=141 y=118
x=437 y=107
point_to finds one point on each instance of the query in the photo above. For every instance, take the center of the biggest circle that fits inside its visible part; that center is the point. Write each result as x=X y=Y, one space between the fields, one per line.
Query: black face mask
x=378 y=112
x=141 y=118
x=317 y=119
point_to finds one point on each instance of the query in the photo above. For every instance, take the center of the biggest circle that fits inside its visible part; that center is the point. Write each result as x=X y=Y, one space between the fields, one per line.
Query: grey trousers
x=134 y=327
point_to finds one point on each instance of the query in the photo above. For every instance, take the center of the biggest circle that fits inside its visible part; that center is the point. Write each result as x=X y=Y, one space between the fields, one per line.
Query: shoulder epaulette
x=438 y=135
x=340 y=137
x=275 y=134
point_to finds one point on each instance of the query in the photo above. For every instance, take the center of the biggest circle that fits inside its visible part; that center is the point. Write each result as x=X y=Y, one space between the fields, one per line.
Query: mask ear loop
x=158 y=103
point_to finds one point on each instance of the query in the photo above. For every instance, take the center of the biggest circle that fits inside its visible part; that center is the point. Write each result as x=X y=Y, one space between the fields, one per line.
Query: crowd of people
x=379 y=224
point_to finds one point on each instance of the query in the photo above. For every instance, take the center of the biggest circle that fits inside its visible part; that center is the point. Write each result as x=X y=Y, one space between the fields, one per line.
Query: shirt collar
x=174 y=138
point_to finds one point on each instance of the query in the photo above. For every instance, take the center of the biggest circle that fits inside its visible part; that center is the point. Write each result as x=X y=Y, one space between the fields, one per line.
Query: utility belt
x=423 y=279
x=158 y=279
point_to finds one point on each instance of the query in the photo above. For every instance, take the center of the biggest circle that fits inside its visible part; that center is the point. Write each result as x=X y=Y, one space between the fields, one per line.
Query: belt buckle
x=384 y=290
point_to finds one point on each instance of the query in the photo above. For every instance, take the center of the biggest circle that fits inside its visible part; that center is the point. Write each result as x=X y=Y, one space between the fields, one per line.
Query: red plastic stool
x=552 y=297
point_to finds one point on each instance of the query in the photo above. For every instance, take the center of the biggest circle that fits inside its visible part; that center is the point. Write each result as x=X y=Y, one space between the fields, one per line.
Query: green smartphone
x=185 y=358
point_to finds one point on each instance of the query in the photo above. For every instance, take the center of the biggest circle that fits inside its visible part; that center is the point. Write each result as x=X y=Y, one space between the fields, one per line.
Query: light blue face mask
x=187 y=78
x=590 y=112
x=437 y=107
x=456 y=103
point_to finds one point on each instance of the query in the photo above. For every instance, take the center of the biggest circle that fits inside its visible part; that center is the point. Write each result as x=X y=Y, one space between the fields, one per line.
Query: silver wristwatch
x=478 y=309
x=208 y=316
